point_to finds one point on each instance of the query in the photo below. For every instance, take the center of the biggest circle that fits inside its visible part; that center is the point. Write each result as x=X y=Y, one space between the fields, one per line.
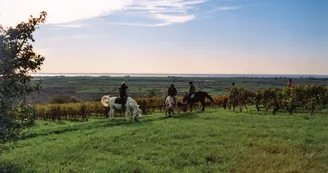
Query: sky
x=178 y=36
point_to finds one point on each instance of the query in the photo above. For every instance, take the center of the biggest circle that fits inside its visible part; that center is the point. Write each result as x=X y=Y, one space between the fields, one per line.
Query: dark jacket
x=122 y=90
x=172 y=91
x=192 y=89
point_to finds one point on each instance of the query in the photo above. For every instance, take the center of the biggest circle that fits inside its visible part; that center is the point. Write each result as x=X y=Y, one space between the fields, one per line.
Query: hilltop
x=213 y=141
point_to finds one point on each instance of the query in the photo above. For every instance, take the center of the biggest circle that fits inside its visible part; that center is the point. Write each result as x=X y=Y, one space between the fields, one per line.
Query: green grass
x=214 y=141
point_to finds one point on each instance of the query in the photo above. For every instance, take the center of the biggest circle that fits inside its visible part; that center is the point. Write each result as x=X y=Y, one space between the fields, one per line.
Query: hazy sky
x=178 y=36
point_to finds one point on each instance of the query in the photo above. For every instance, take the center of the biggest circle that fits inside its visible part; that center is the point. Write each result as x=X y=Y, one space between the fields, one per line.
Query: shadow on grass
x=6 y=167
x=187 y=115
x=112 y=123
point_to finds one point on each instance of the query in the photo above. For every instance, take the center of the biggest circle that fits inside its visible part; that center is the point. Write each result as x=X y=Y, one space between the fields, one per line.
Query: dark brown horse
x=198 y=96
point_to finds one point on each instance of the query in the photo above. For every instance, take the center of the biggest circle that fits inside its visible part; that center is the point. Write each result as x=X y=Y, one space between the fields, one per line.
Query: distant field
x=214 y=141
x=93 y=88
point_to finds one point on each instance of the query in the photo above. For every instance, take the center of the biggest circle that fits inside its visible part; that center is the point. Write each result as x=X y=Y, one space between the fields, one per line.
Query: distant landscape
x=180 y=75
x=87 y=88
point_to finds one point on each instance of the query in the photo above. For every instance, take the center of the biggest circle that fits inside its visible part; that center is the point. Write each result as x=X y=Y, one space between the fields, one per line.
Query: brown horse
x=198 y=96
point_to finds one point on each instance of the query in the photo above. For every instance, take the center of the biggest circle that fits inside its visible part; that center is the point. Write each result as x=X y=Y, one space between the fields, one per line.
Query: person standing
x=290 y=83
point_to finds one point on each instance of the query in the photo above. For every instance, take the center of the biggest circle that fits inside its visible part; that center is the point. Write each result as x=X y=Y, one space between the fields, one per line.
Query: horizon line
x=184 y=73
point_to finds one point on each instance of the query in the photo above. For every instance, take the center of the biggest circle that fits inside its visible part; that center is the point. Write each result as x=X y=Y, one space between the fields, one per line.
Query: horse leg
x=165 y=109
x=127 y=111
x=111 y=112
x=203 y=105
x=126 y=114
x=190 y=106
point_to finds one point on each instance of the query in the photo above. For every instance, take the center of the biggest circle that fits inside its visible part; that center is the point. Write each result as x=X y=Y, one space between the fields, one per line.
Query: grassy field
x=213 y=141
x=93 y=88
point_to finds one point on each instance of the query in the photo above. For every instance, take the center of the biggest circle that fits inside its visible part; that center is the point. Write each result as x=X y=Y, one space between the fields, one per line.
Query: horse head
x=105 y=100
x=138 y=112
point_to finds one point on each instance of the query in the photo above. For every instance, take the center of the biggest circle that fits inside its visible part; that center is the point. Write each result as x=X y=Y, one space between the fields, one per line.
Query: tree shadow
x=6 y=167
x=112 y=123
x=187 y=115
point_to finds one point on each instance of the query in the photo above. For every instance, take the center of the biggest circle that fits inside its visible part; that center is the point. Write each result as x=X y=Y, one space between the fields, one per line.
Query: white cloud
x=140 y=24
x=72 y=25
x=174 y=18
x=59 y=11
x=64 y=12
x=228 y=8
x=225 y=8
x=167 y=11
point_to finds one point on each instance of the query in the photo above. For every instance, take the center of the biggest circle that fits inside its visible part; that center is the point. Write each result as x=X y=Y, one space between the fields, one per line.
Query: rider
x=192 y=89
x=290 y=83
x=172 y=91
x=123 y=94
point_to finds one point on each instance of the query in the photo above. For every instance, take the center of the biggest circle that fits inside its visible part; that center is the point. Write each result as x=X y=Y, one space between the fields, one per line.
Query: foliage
x=16 y=61
x=309 y=97
x=151 y=93
x=84 y=110
x=60 y=99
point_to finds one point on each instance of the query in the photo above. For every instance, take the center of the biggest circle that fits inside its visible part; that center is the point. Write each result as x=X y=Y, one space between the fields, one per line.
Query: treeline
x=309 y=98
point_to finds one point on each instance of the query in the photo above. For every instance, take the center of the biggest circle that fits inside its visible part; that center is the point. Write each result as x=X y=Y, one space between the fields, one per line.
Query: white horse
x=108 y=101
x=169 y=103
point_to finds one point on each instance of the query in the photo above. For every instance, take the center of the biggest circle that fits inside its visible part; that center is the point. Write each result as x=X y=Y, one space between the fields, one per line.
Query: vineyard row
x=310 y=98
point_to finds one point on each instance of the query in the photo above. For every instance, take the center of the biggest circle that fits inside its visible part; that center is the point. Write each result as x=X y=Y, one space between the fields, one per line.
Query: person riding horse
x=192 y=97
x=172 y=91
x=192 y=89
x=123 y=94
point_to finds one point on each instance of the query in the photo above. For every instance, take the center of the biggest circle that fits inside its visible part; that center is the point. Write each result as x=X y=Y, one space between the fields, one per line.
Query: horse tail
x=209 y=97
x=105 y=100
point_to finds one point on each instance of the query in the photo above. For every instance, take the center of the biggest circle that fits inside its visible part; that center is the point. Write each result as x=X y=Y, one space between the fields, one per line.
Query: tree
x=17 y=59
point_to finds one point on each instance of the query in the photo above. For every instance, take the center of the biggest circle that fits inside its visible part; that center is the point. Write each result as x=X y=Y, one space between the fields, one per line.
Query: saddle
x=119 y=100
